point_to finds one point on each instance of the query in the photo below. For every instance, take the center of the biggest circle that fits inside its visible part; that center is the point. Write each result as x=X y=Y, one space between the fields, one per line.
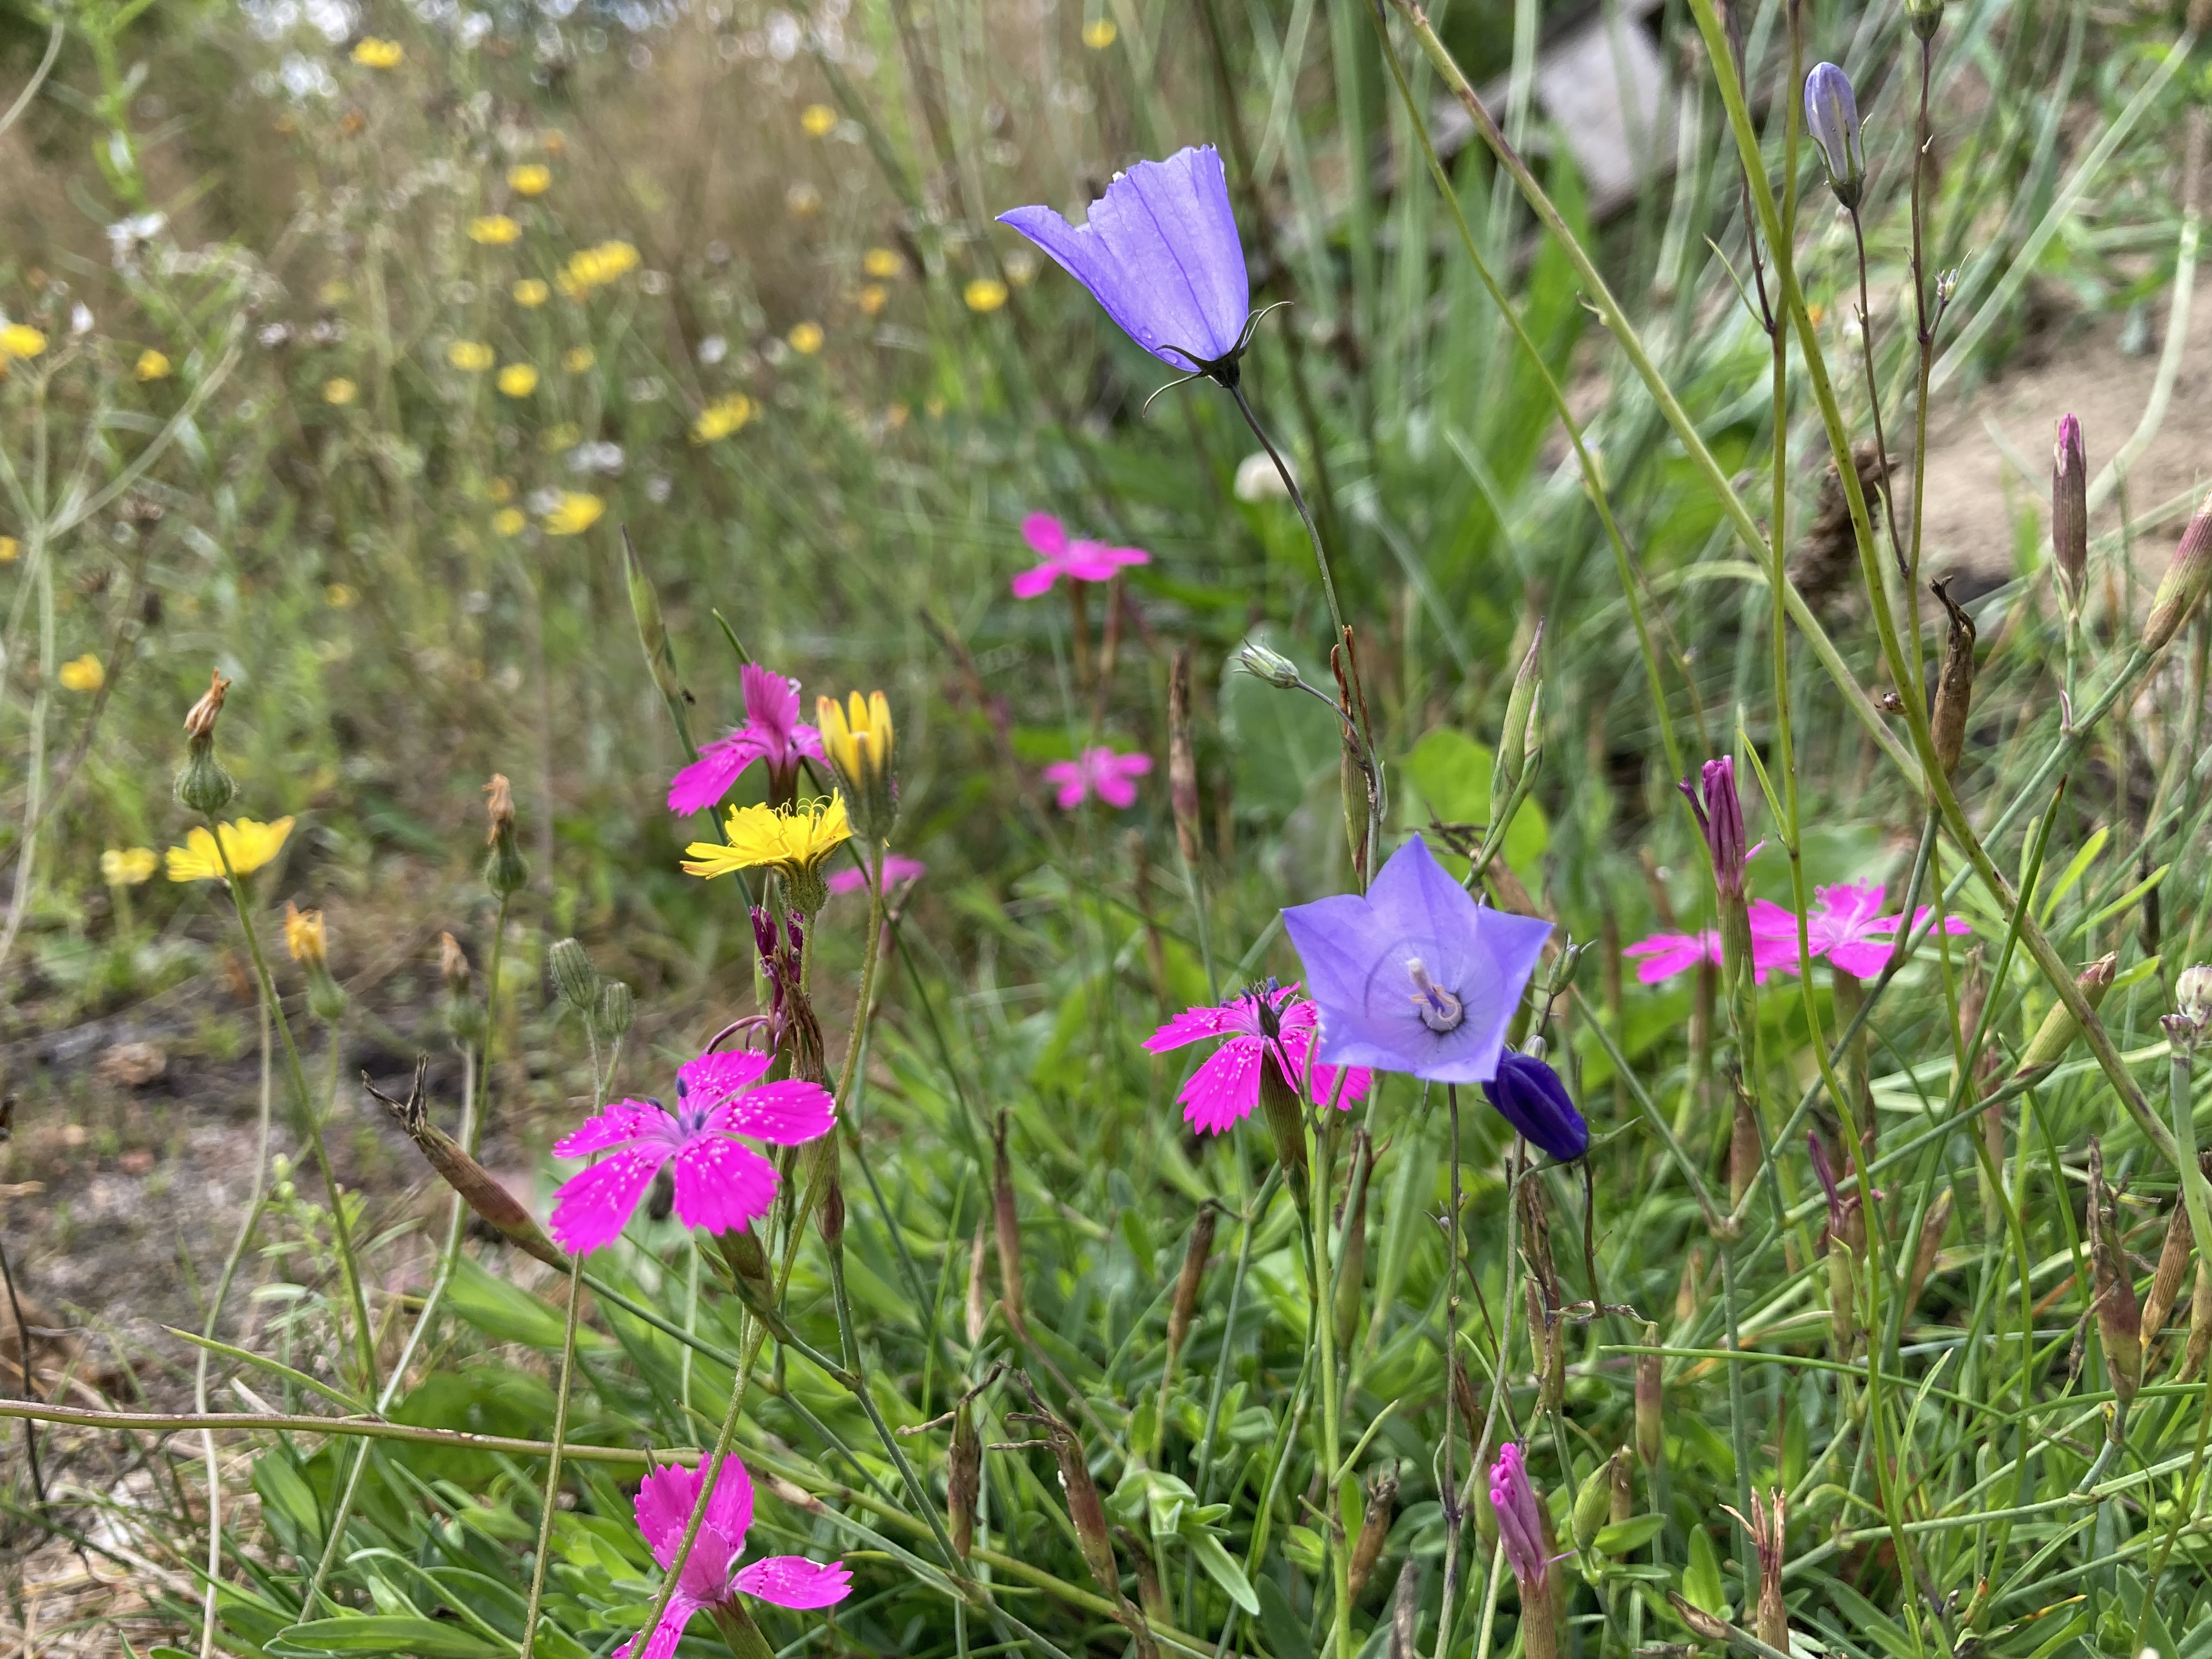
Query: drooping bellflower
x=1831 y=116
x=1269 y=1026
x=720 y=1184
x=1159 y=251
x=771 y=732
x=712 y=1580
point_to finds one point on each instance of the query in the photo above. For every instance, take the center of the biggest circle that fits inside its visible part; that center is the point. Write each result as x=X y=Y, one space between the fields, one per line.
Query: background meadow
x=344 y=344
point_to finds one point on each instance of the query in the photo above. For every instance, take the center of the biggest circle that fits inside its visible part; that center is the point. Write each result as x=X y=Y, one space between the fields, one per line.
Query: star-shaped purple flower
x=772 y=732
x=1415 y=976
x=1159 y=251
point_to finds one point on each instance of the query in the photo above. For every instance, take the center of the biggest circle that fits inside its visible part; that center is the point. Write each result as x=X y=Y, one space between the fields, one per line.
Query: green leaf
x=1701 y=1579
x=1622 y=1536
x=428 y=1638
x=503 y=1311
x=1285 y=1630
x=1447 y=777
x=1222 y=1568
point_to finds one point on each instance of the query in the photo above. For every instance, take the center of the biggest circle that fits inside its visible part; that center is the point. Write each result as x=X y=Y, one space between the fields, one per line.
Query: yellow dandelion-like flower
x=518 y=379
x=985 y=294
x=563 y=436
x=21 y=340
x=530 y=179
x=805 y=338
x=494 y=230
x=819 y=120
x=10 y=549
x=81 y=674
x=873 y=298
x=339 y=596
x=883 y=264
x=721 y=418
x=791 y=839
x=802 y=201
x=528 y=291
x=152 y=366
x=1099 y=33
x=303 y=935
x=373 y=53
x=340 y=391
x=508 y=521
x=595 y=267
x=335 y=292
x=472 y=356
x=250 y=845
x=577 y=359
x=128 y=867
x=574 y=515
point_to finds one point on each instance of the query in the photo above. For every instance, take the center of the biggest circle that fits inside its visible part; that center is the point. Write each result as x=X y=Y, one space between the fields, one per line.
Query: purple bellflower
x=1159 y=251
x=1831 y=116
x=1529 y=1094
x=1414 y=976
x=772 y=732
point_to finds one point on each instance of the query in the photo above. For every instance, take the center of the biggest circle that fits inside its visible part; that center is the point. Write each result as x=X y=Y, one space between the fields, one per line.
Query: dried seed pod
x=964 y=1478
x=1954 y=685
x=1374 y=1530
x=1931 y=1240
x=2200 y=1323
x=1743 y=1148
x=1623 y=1486
x=2166 y=1283
x=1184 y=1307
x=477 y=1189
x=2070 y=511
x=978 y=1309
x=2119 y=1320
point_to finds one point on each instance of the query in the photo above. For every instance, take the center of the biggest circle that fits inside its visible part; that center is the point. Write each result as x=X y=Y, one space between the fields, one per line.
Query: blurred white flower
x=274 y=335
x=1257 y=479
x=542 y=502
x=646 y=390
x=659 y=487
x=598 y=456
x=80 y=319
x=713 y=350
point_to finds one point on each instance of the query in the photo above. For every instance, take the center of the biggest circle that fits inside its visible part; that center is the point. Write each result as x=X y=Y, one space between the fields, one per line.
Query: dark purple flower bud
x=1831 y=116
x=2070 y=509
x=1159 y=251
x=1713 y=797
x=764 y=933
x=1520 y=1518
x=1529 y=1096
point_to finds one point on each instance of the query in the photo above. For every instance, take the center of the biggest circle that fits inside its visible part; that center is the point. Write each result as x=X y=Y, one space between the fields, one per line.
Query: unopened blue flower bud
x=1528 y=1094
x=1831 y=116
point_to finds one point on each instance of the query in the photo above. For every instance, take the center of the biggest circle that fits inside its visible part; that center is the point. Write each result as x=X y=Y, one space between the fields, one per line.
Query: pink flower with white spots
x=1077 y=561
x=1265 y=1026
x=720 y=1184
x=1847 y=929
x=1662 y=956
x=711 y=1577
x=772 y=732
x=1101 y=772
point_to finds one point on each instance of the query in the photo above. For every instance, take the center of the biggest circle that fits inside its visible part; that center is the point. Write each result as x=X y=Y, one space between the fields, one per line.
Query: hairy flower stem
x=1882 y=487
x=1324 y=1324
x=1447 y=1487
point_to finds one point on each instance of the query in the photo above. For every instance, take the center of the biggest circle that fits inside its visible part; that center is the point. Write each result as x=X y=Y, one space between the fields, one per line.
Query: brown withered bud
x=2119 y=1320
x=1184 y=1307
x=1548 y=1335
x=506 y=872
x=964 y=1478
x=1182 y=760
x=1374 y=1528
x=1650 y=1401
x=1149 y=1595
x=1743 y=1148
x=1463 y=1397
x=1087 y=1513
x=1954 y=685
x=202 y=784
x=2185 y=582
x=1768 y=1536
x=2070 y=511
x=478 y=1190
x=1931 y=1240
x=2166 y=1282
x=2200 y=1323
x=978 y=1310
x=1622 y=1467
x=200 y=719
x=1006 y=1223
x=453 y=963
x=499 y=807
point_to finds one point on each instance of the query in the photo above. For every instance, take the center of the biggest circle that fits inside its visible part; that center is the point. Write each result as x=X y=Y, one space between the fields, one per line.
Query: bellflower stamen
x=1440 y=1010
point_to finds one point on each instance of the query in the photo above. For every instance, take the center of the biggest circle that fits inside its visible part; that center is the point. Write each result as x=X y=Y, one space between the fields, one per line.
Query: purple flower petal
x=594 y=1206
x=786 y=1113
x=722 y=1185
x=624 y=1122
x=793 y=1581
x=1530 y=1095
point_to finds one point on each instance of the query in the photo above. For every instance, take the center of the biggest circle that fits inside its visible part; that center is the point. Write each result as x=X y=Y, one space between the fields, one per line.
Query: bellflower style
x=1062 y=555
x=1098 y=771
x=1831 y=116
x=712 y=1578
x=1159 y=251
x=1414 y=976
x=771 y=733
x=1848 y=929
x=1720 y=813
x=1529 y=1094
x=720 y=1184
x=1270 y=1024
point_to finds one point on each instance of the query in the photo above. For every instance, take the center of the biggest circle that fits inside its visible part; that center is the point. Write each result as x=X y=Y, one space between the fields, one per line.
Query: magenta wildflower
x=1847 y=929
x=1077 y=561
x=1662 y=956
x=721 y=1184
x=1520 y=1518
x=772 y=732
x=1270 y=1024
x=1101 y=772
x=854 y=879
x=711 y=1576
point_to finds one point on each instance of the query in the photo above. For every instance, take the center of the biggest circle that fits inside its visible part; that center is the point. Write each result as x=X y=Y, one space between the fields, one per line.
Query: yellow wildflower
x=528 y=291
x=985 y=293
x=883 y=264
x=873 y=298
x=494 y=230
x=500 y=489
x=561 y=437
x=81 y=674
x=819 y=120
x=721 y=418
x=128 y=867
x=152 y=366
x=21 y=340
x=577 y=359
x=594 y=267
x=470 y=356
x=530 y=179
x=340 y=391
x=373 y=53
x=1100 y=33
x=10 y=549
x=575 y=514
x=805 y=338
x=518 y=379
x=793 y=839
x=249 y=845
x=303 y=935
x=339 y=596
x=335 y=292
x=857 y=738
x=508 y=521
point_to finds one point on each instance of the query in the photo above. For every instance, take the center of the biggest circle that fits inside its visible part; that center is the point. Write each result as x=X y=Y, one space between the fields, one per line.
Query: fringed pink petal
x=730 y=1506
x=1045 y=533
x=713 y=1077
x=721 y=1185
x=663 y=1504
x=1225 y=1088
x=1196 y=1024
x=701 y=785
x=786 y=1113
x=593 y=1206
x=624 y=1122
x=1662 y=956
x=1072 y=782
x=771 y=704
x=1037 y=579
x=666 y=1634
x=1861 y=959
x=793 y=1581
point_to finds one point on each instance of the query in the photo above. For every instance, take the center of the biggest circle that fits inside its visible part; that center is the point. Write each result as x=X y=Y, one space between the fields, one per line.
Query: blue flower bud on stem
x=1831 y=116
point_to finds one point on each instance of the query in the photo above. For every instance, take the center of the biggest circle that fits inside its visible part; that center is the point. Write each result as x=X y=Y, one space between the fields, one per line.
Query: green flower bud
x=618 y=1008
x=574 y=978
